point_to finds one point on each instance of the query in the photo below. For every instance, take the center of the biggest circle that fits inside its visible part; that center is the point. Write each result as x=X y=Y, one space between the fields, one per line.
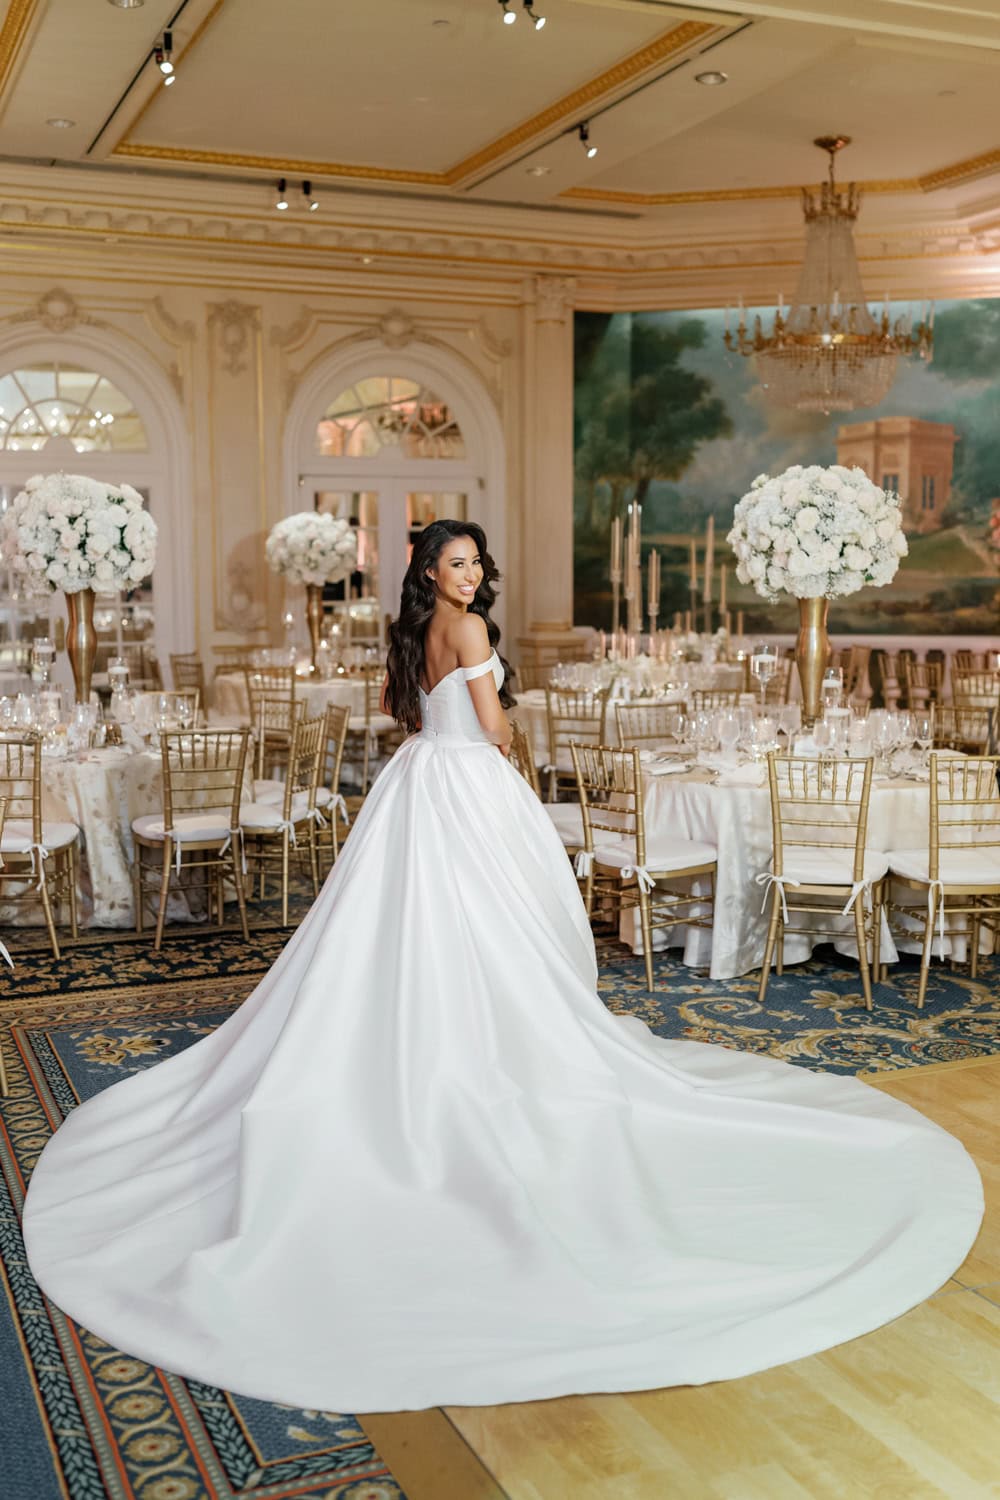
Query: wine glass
x=763 y=665
x=185 y=712
x=789 y=720
x=923 y=731
x=822 y=736
x=728 y=728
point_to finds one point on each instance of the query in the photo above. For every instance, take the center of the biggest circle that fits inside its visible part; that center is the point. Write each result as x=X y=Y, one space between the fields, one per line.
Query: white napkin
x=666 y=767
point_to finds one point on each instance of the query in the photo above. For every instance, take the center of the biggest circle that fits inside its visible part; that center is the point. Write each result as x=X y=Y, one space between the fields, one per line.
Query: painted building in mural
x=912 y=457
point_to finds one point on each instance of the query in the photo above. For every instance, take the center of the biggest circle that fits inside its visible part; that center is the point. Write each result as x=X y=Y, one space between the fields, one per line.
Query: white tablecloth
x=737 y=820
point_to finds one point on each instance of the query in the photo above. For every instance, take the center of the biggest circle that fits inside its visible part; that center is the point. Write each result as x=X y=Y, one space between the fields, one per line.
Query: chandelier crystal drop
x=830 y=352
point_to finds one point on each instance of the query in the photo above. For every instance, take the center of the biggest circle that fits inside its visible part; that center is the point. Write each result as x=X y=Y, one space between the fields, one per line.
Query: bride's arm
x=472 y=645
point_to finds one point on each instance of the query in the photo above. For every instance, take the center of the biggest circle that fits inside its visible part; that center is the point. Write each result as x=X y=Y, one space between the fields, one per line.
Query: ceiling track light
x=509 y=16
x=312 y=204
x=537 y=21
x=281 y=202
x=162 y=56
x=585 y=141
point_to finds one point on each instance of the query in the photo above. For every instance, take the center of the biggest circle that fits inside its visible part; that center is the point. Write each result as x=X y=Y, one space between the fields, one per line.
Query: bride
x=422 y=1164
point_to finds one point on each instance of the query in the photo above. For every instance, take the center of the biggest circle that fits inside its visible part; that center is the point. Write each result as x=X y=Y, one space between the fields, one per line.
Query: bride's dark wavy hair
x=416 y=606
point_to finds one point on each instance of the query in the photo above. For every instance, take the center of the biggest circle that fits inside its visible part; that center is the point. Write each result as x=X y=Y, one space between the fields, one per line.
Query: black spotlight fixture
x=537 y=21
x=312 y=203
x=509 y=16
x=281 y=202
x=162 y=56
x=585 y=141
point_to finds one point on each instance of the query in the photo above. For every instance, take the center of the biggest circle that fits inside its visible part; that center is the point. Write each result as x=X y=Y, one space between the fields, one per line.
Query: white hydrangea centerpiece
x=312 y=548
x=817 y=533
x=65 y=531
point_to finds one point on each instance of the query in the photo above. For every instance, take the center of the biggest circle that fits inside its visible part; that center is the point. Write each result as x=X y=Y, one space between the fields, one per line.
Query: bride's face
x=458 y=572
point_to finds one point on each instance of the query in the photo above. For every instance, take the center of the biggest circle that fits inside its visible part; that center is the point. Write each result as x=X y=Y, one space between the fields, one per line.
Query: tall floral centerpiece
x=818 y=534
x=313 y=548
x=65 y=531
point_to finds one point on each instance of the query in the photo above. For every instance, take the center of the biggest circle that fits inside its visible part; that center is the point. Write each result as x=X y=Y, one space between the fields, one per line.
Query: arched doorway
x=74 y=403
x=391 y=440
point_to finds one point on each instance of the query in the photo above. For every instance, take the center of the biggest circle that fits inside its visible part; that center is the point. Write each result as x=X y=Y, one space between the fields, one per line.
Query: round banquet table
x=231 y=701
x=737 y=820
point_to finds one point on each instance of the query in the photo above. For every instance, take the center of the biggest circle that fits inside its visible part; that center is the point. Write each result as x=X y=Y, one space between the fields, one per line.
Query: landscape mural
x=664 y=414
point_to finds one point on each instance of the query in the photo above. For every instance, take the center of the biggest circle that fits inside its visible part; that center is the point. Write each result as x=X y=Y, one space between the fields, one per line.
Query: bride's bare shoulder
x=469 y=638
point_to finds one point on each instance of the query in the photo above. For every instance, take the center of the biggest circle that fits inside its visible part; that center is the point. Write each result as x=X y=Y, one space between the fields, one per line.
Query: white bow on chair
x=767 y=879
x=583 y=865
x=643 y=878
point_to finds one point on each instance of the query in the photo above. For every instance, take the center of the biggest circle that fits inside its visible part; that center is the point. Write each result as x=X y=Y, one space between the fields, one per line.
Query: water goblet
x=728 y=728
x=822 y=737
x=789 y=720
x=923 y=731
x=117 y=673
x=763 y=665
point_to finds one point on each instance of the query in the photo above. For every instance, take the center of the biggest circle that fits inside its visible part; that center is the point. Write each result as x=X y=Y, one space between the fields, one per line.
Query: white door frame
x=480 y=475
x=164 y=469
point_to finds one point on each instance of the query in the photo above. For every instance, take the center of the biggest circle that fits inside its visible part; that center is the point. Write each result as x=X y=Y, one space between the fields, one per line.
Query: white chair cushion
x=831 y=866
x=258 y=817
x=17 y=836
x=268 y=790
x=324 y=796
x=957 y=866
x=188 y=827
x=567 y=820
x=662 y=855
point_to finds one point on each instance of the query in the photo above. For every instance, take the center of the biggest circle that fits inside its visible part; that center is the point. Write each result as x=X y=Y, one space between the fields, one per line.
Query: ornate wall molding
x=57 y=311
x=234 y=323
x=554 y=298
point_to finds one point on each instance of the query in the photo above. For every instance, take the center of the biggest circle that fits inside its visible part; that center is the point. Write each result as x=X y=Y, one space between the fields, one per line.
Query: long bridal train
x=423 y=1164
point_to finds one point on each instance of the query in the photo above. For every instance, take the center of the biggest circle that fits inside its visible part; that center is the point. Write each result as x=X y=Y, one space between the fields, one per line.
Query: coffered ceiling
x=437 y=102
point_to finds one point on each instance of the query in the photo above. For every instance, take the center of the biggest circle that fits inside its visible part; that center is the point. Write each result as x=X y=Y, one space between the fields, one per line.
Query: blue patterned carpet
x=92 y=1422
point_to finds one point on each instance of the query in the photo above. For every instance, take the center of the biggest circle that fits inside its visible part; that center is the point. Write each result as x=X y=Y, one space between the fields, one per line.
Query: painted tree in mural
x=640 y=413
x=640 y=416
x=967 y=351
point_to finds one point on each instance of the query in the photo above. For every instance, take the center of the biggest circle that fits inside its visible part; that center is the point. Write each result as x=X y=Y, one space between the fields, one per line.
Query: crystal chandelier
x=830 y=353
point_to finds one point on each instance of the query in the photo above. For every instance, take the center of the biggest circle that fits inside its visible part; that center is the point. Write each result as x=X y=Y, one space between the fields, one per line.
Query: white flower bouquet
x=65 y=531
x=817 y=533
x=312 y=548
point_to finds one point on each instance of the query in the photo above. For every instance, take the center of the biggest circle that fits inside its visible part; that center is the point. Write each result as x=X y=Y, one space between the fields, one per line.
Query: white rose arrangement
x=65 y=531
x=817 y=533
x=312 y=548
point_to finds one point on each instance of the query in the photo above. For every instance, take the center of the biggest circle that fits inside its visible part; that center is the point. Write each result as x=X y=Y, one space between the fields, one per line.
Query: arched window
x=65 y=401
x=386 y=410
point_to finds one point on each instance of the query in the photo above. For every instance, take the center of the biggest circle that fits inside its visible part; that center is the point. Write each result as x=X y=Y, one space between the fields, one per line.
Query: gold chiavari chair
x=565 y=817
x=975 y=689
x=547 y=654
x=709 y=698
x=648 y=723
x=370 y=737
x=617 y=865
x=529 y=677
x=820 y=865
x=197 y=835
x=571 y=715
x=273 y=725
x=231 y=659
x=922 y=683
x=854 y=662
x=968 y=661
x=187 y=671
x=271 y=830
x=958 y=873
x=38 y=855
x=965 y=729
x=329 y=798
x=522 y=757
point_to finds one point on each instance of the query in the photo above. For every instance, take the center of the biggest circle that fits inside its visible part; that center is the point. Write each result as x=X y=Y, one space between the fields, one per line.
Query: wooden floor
x=910 y=1411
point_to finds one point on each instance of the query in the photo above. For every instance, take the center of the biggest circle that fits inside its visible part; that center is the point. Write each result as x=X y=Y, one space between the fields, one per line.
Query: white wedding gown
x=423 y=1164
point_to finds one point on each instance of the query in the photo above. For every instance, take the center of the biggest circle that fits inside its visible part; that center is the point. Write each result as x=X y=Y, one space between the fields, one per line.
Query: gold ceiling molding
x=189 y=47
x=928 y=182
x=596 y=90
x=16 y=24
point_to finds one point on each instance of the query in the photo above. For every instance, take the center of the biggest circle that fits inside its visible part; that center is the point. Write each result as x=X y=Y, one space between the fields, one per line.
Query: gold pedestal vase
x=81 y=641
x=812 y=654
x=314 y=617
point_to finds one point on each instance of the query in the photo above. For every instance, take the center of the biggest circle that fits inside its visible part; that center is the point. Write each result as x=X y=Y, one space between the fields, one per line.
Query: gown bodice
x=448 y=713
